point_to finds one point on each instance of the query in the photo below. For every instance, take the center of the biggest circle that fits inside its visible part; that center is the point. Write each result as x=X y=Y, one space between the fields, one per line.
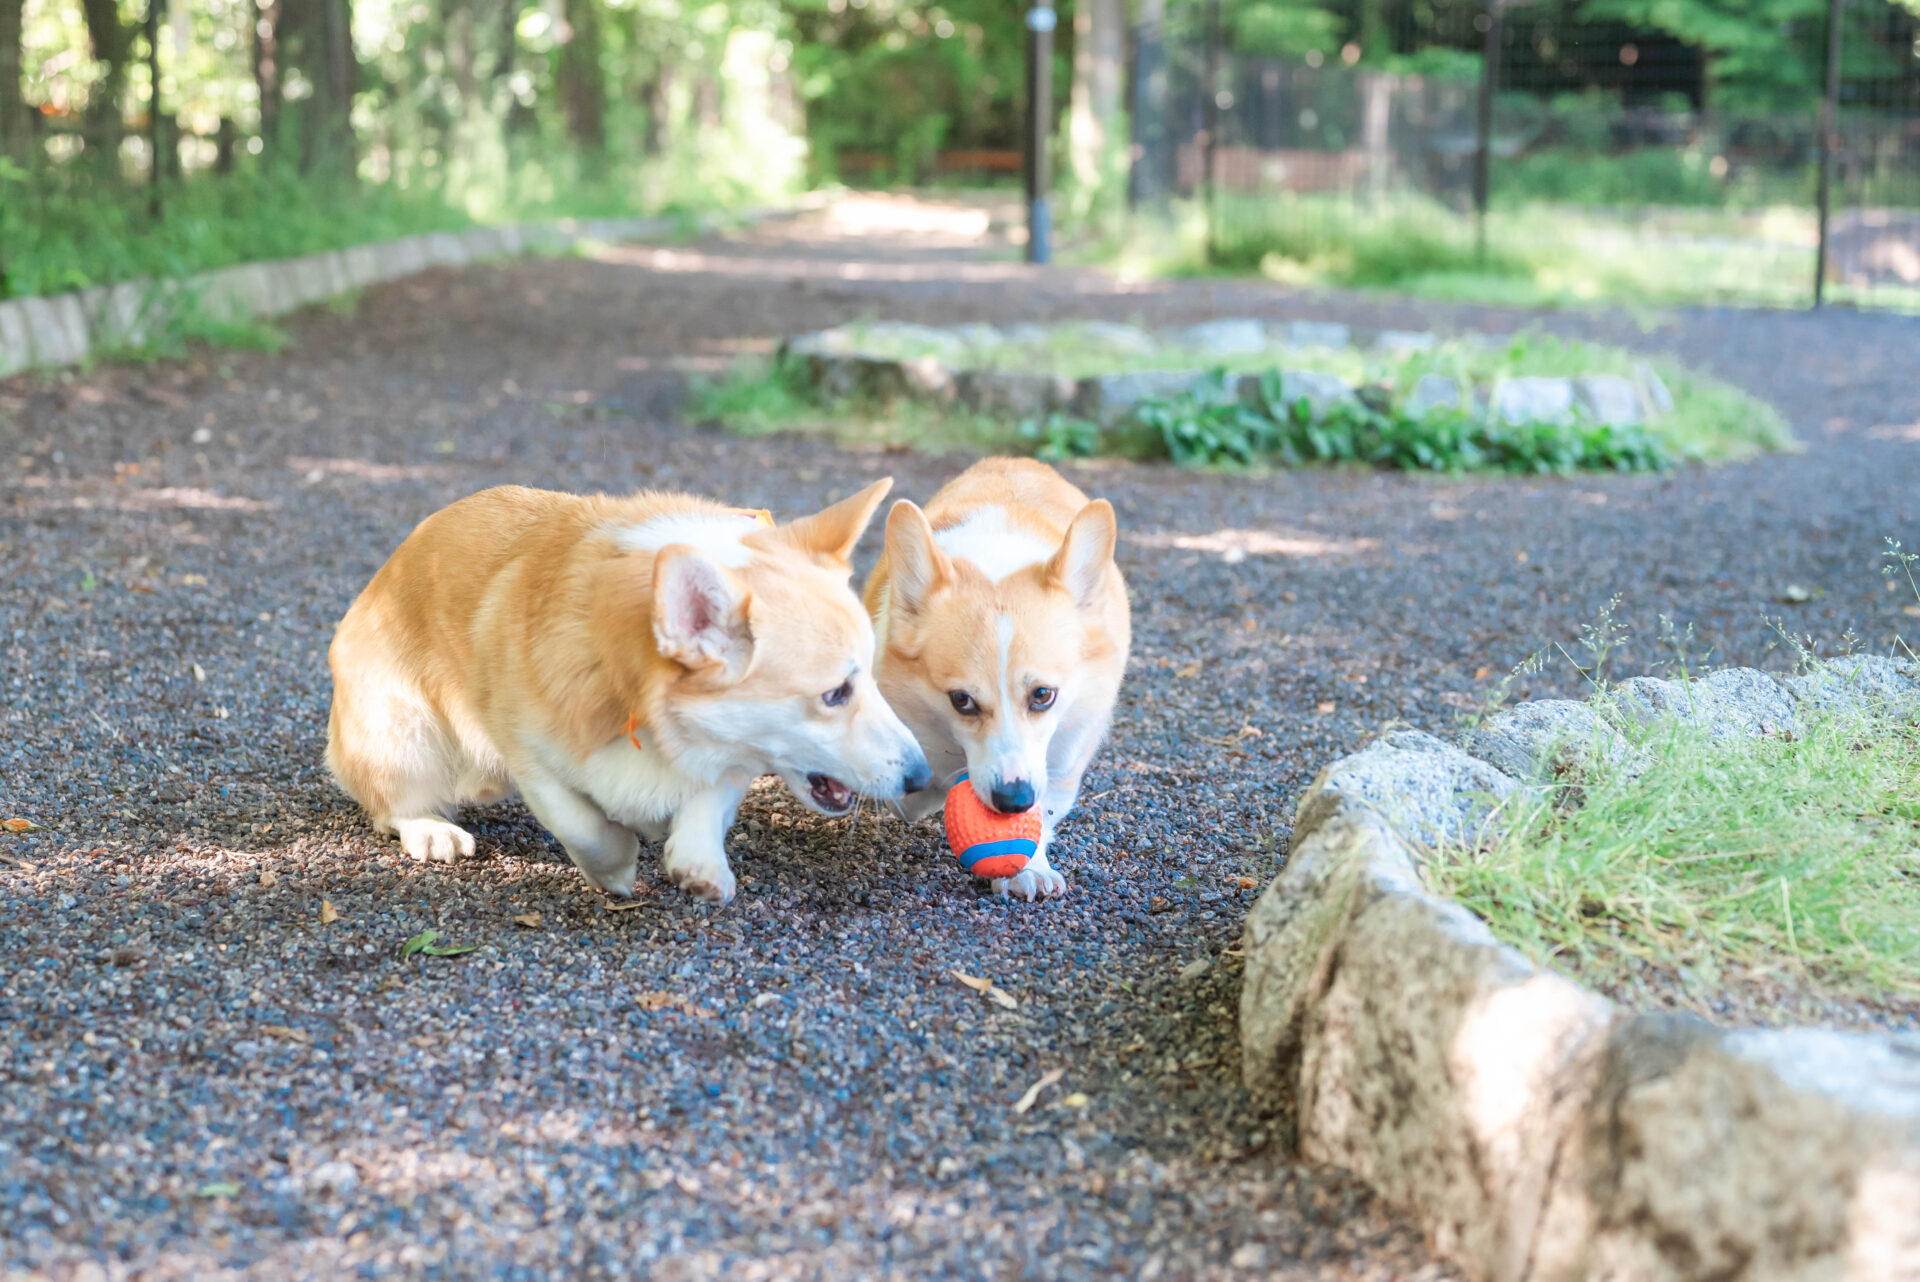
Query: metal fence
x=1594 y=161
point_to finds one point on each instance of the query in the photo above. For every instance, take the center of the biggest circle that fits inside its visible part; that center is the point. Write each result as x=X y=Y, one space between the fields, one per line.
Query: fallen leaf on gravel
x=449 y=950
x=1195 y=968
x=288 y=1034
x=20 y=825
x=1047 y=1079
x=1250 y=731
x=222 y=1188
x=626 y=906
x=528 y=919
x=974 y=982
x=1246 y=883
x=1482 y=673
x=328 y=915
x=1075 y=1100
x=657 y=1000
x=1002 y=998
x=1159 y=904
x=267 y=878
x=1188 y=671
x=1323 y=707
x=419 y=942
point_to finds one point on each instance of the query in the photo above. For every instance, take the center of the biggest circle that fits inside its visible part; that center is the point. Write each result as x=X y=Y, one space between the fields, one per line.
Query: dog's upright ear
x=915 y=562
x=1080 y=566
x=699 y=612
x=831 y=533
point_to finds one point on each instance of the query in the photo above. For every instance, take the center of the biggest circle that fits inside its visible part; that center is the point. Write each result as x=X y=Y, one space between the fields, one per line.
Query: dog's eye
x=1042 y=698
x=963 y=703
x=839 y=694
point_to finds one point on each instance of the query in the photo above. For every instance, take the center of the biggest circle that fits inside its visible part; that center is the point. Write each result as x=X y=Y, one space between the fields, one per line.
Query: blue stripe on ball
x=973 y=854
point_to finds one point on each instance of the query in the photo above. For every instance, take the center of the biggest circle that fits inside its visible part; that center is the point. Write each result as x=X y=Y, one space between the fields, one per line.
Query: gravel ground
x=203 y=1074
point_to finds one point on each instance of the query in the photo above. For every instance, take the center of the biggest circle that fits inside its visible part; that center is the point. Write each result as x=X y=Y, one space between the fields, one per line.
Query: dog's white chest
x=635 y=785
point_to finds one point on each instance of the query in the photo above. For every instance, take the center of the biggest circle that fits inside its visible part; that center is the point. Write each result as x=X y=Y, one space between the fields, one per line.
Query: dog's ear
x=915 y=561
x=1080 y=566
x=831 y=533
x=699 y=612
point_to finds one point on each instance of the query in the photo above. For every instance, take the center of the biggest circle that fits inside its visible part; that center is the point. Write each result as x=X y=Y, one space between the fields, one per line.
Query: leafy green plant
x=1062 y=436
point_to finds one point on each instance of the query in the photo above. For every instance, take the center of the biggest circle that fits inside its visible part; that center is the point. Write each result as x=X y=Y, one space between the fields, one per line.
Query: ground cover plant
x=1228 y=420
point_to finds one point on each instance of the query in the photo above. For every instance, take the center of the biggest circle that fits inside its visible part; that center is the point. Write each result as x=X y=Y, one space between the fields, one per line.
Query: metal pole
x=1829 y=112
x=1210 y=118
x=1483 y=125
x=1040 y=21
x=153 y=108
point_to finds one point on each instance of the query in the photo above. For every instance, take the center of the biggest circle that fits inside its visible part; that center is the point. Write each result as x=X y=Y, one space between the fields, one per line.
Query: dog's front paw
x=706 y=876
x=1031 y=883
x=433 y=839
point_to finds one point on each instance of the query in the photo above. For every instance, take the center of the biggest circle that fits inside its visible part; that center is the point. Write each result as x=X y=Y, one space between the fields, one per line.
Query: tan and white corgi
x=1003 y=628
x=625 y=664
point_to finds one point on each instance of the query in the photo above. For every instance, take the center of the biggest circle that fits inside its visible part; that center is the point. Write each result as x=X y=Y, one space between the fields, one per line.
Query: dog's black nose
x=918 y=776
x=1013 y=798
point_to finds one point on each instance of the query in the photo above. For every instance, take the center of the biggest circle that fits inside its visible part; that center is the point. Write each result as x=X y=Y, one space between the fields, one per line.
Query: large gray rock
x=1519 y=401
x=1399 y=342
x=16 y=353
x=1533 y=741
x=1106 y=397
x=1533 y=1129
x=1428 y=789
x=1321 y=391
x=1858 y=683
x=894 y=340
x=1128 y=339
x=1653 y=392
x=1013 y=395
x=1608 y=398
x=1436 y=392
x=1235 y=336
x=1329 y=334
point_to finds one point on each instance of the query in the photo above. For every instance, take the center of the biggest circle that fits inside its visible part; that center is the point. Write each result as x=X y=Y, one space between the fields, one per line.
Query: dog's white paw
x=705 y=876
x=433 y=839
x=1031 y=883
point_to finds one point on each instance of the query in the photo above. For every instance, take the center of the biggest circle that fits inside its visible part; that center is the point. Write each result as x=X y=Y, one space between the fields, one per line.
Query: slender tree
x=1099 y=51
x=14 y=121
x=112 y=41
x=315 y=39
x=582 y=81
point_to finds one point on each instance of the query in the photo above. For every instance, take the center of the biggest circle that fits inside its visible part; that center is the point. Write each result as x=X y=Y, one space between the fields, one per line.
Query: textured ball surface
x=988 y=843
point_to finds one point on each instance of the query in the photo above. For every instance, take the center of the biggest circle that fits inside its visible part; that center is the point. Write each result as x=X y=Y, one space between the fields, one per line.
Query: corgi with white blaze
x=627 y=665
x=1003 y=629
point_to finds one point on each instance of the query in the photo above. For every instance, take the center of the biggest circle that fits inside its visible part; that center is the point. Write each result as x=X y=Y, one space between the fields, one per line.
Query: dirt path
x=200 y=1078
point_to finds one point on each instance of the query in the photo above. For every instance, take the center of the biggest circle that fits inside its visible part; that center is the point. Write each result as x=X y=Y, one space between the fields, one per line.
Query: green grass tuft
x=1776 y=860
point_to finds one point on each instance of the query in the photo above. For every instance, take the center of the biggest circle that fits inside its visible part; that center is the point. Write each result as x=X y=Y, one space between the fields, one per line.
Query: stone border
x=65 y=329
x=957 y=367
x=1533 y=1128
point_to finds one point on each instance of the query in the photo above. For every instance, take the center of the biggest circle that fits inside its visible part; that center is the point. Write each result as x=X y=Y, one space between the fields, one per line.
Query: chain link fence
x=1615 y=166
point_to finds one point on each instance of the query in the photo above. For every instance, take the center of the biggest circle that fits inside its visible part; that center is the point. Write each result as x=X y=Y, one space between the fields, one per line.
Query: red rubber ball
x=988 y=843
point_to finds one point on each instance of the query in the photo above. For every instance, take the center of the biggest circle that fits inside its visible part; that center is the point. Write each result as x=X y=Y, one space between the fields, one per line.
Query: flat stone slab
x=1533 y=1128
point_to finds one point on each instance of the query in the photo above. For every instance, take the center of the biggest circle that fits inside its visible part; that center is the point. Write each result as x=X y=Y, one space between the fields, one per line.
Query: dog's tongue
x=830 y=792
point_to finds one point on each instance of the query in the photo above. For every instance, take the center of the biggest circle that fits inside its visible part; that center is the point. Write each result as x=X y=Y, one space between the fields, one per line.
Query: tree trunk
x=520 y=117
x=112 y=42
x=266 y=68
x=315 y=39
x=14 y=122
x=583 y=84
x=1099 y=42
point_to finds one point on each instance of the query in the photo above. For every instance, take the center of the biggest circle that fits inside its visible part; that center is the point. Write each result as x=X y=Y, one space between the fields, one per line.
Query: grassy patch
x=1540 y=252
x=1217 y=425
x=1740 y=861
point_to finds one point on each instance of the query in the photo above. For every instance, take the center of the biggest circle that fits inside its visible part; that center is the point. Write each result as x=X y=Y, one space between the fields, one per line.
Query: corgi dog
x=627 y=665
x=1003 y=629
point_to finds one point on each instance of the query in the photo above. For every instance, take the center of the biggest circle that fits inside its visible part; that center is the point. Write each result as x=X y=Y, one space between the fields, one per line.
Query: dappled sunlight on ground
x=1237 y=545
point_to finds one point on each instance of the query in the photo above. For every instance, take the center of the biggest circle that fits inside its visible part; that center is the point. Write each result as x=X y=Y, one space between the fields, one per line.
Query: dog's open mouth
x=830 y=794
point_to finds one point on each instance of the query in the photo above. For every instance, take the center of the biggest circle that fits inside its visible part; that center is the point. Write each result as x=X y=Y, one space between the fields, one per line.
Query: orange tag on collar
x=633 y=733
